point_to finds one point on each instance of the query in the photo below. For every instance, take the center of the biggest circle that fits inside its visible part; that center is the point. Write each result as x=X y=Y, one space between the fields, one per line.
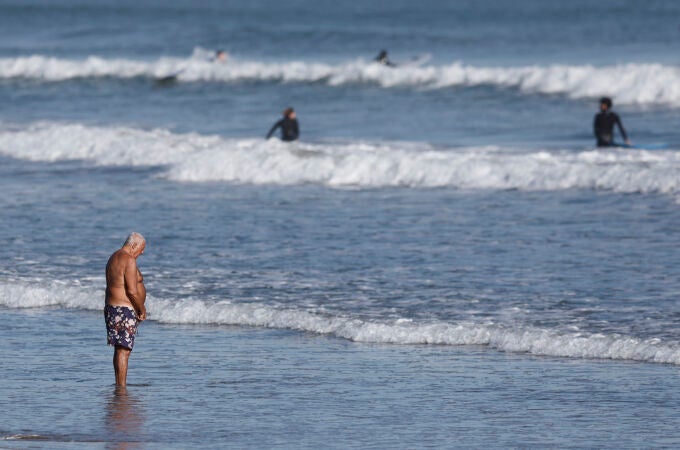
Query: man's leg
x=120 y=364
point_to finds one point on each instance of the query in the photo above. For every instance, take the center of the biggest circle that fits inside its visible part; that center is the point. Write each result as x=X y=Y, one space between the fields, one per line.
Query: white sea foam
x=627 y=83
x=199 y=158
x=41 y=294
x=518 y=339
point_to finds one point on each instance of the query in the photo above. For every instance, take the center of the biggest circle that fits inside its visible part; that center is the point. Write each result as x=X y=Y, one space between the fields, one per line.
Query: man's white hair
x=134 y=240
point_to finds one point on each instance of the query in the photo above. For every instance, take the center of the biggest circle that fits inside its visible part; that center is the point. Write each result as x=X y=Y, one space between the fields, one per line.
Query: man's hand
x=141 y=314
x=628 y=142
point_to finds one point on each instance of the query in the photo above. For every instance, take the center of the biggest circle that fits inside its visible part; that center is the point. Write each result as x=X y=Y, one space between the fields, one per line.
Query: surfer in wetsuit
x=289 y=126
x=604 y=122
x=383 y=59
x=220 y=56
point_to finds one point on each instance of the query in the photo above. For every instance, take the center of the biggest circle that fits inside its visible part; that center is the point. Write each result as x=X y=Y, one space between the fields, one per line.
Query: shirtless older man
x=125 y=296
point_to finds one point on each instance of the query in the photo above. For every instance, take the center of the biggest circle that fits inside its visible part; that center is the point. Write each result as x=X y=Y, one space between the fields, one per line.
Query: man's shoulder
x=121 y=257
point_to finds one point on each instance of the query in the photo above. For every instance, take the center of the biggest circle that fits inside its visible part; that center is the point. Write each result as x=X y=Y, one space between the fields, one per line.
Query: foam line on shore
x=516 y=339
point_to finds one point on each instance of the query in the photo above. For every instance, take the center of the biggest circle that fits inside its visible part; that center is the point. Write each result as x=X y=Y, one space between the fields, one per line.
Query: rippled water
x=456 y=200
x=246 y=387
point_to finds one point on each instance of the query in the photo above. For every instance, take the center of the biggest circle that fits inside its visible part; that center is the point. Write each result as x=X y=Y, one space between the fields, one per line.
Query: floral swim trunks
x=121 y=326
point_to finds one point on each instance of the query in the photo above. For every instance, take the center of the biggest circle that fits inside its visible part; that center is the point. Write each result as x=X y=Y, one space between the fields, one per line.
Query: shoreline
x=211 y=385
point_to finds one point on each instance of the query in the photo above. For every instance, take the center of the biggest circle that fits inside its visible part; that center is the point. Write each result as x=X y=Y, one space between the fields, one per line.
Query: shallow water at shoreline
x=210 y=386
x=455 y=200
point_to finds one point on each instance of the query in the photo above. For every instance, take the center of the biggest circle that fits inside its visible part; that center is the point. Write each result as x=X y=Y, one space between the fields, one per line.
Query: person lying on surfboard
x=220 y=56
x=604 y=122
x=383 y=59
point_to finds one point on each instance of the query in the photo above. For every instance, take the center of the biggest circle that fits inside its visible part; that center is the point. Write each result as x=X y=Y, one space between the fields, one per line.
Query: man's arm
x=131 y=290
x=276 y=125
x=140 y=286
x=623 y=132
x=596 y=130
x=296 y=129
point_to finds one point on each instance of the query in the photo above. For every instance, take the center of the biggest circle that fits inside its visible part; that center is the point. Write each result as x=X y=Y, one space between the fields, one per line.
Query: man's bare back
x=124 y=281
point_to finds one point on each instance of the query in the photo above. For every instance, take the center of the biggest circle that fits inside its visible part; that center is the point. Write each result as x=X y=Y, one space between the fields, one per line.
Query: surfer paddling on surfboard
x=603 y=125
x=415 y=61
x=383 y=59
x=220 y=56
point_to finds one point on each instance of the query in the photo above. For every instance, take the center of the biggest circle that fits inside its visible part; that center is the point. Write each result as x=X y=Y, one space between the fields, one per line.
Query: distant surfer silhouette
x=290 y=130
x=383 y=59
x=604 y=122
x=220 y=56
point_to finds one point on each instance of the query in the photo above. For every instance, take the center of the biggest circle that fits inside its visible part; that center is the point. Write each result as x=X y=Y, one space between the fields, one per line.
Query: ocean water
x=443 y=260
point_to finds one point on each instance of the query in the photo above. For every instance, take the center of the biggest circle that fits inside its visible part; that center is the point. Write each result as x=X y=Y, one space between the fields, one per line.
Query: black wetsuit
x=603 y=126
x=382 y=59
x=289 y=129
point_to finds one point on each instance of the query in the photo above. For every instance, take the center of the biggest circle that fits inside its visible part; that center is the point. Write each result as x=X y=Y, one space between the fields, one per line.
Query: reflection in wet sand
x=124 y=420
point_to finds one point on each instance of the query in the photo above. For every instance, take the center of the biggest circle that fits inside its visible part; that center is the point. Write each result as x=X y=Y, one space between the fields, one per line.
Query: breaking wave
x=202 y=158
x=627 y=83
x=518 y=339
